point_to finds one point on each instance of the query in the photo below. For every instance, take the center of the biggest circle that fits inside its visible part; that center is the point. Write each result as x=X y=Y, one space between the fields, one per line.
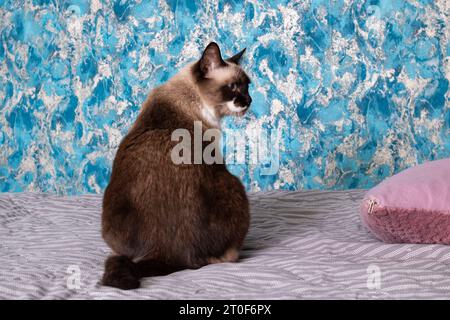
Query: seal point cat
x=160 y=217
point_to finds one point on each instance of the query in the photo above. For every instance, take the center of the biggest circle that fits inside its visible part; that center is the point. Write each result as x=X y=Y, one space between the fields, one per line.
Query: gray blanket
x=301 y=245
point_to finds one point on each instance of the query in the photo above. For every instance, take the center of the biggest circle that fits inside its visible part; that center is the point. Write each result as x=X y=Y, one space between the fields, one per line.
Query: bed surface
x=301 y=245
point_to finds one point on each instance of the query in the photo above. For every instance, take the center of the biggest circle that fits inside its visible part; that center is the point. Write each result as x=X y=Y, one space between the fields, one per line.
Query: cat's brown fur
x=160 y=217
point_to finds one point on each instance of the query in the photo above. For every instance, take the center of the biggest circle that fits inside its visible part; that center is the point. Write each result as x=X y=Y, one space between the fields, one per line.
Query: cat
x=159 y=217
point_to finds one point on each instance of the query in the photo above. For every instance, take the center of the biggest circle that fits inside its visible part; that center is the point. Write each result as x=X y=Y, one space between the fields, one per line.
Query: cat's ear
x=211 y=59
x=237 y=57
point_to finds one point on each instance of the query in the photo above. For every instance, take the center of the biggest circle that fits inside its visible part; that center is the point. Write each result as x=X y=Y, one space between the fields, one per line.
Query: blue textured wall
x=360 y=88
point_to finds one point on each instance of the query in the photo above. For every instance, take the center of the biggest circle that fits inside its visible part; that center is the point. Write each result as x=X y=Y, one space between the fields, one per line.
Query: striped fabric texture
x=301 y=245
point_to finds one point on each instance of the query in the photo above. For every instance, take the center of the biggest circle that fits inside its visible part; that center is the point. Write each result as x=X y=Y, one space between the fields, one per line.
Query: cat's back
x=150 y=138
x=143 y=167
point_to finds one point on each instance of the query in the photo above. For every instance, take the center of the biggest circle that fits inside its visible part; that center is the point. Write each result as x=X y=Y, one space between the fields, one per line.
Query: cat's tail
x=121 y=272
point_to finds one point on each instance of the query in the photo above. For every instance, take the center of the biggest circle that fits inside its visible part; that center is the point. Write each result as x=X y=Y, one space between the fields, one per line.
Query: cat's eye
x=233 y=86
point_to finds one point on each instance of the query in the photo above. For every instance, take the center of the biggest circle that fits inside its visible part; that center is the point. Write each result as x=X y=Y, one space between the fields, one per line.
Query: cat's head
x=223 y=84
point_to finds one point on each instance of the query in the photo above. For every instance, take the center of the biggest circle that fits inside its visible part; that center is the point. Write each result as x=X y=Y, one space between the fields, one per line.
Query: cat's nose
x=248 y=101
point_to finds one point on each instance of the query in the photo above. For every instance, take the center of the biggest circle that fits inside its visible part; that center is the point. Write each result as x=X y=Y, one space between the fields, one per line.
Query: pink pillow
x=412 y=206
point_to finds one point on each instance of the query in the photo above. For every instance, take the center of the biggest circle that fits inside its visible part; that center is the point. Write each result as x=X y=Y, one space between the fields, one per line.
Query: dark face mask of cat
x=236 y=94
x=223 y=84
